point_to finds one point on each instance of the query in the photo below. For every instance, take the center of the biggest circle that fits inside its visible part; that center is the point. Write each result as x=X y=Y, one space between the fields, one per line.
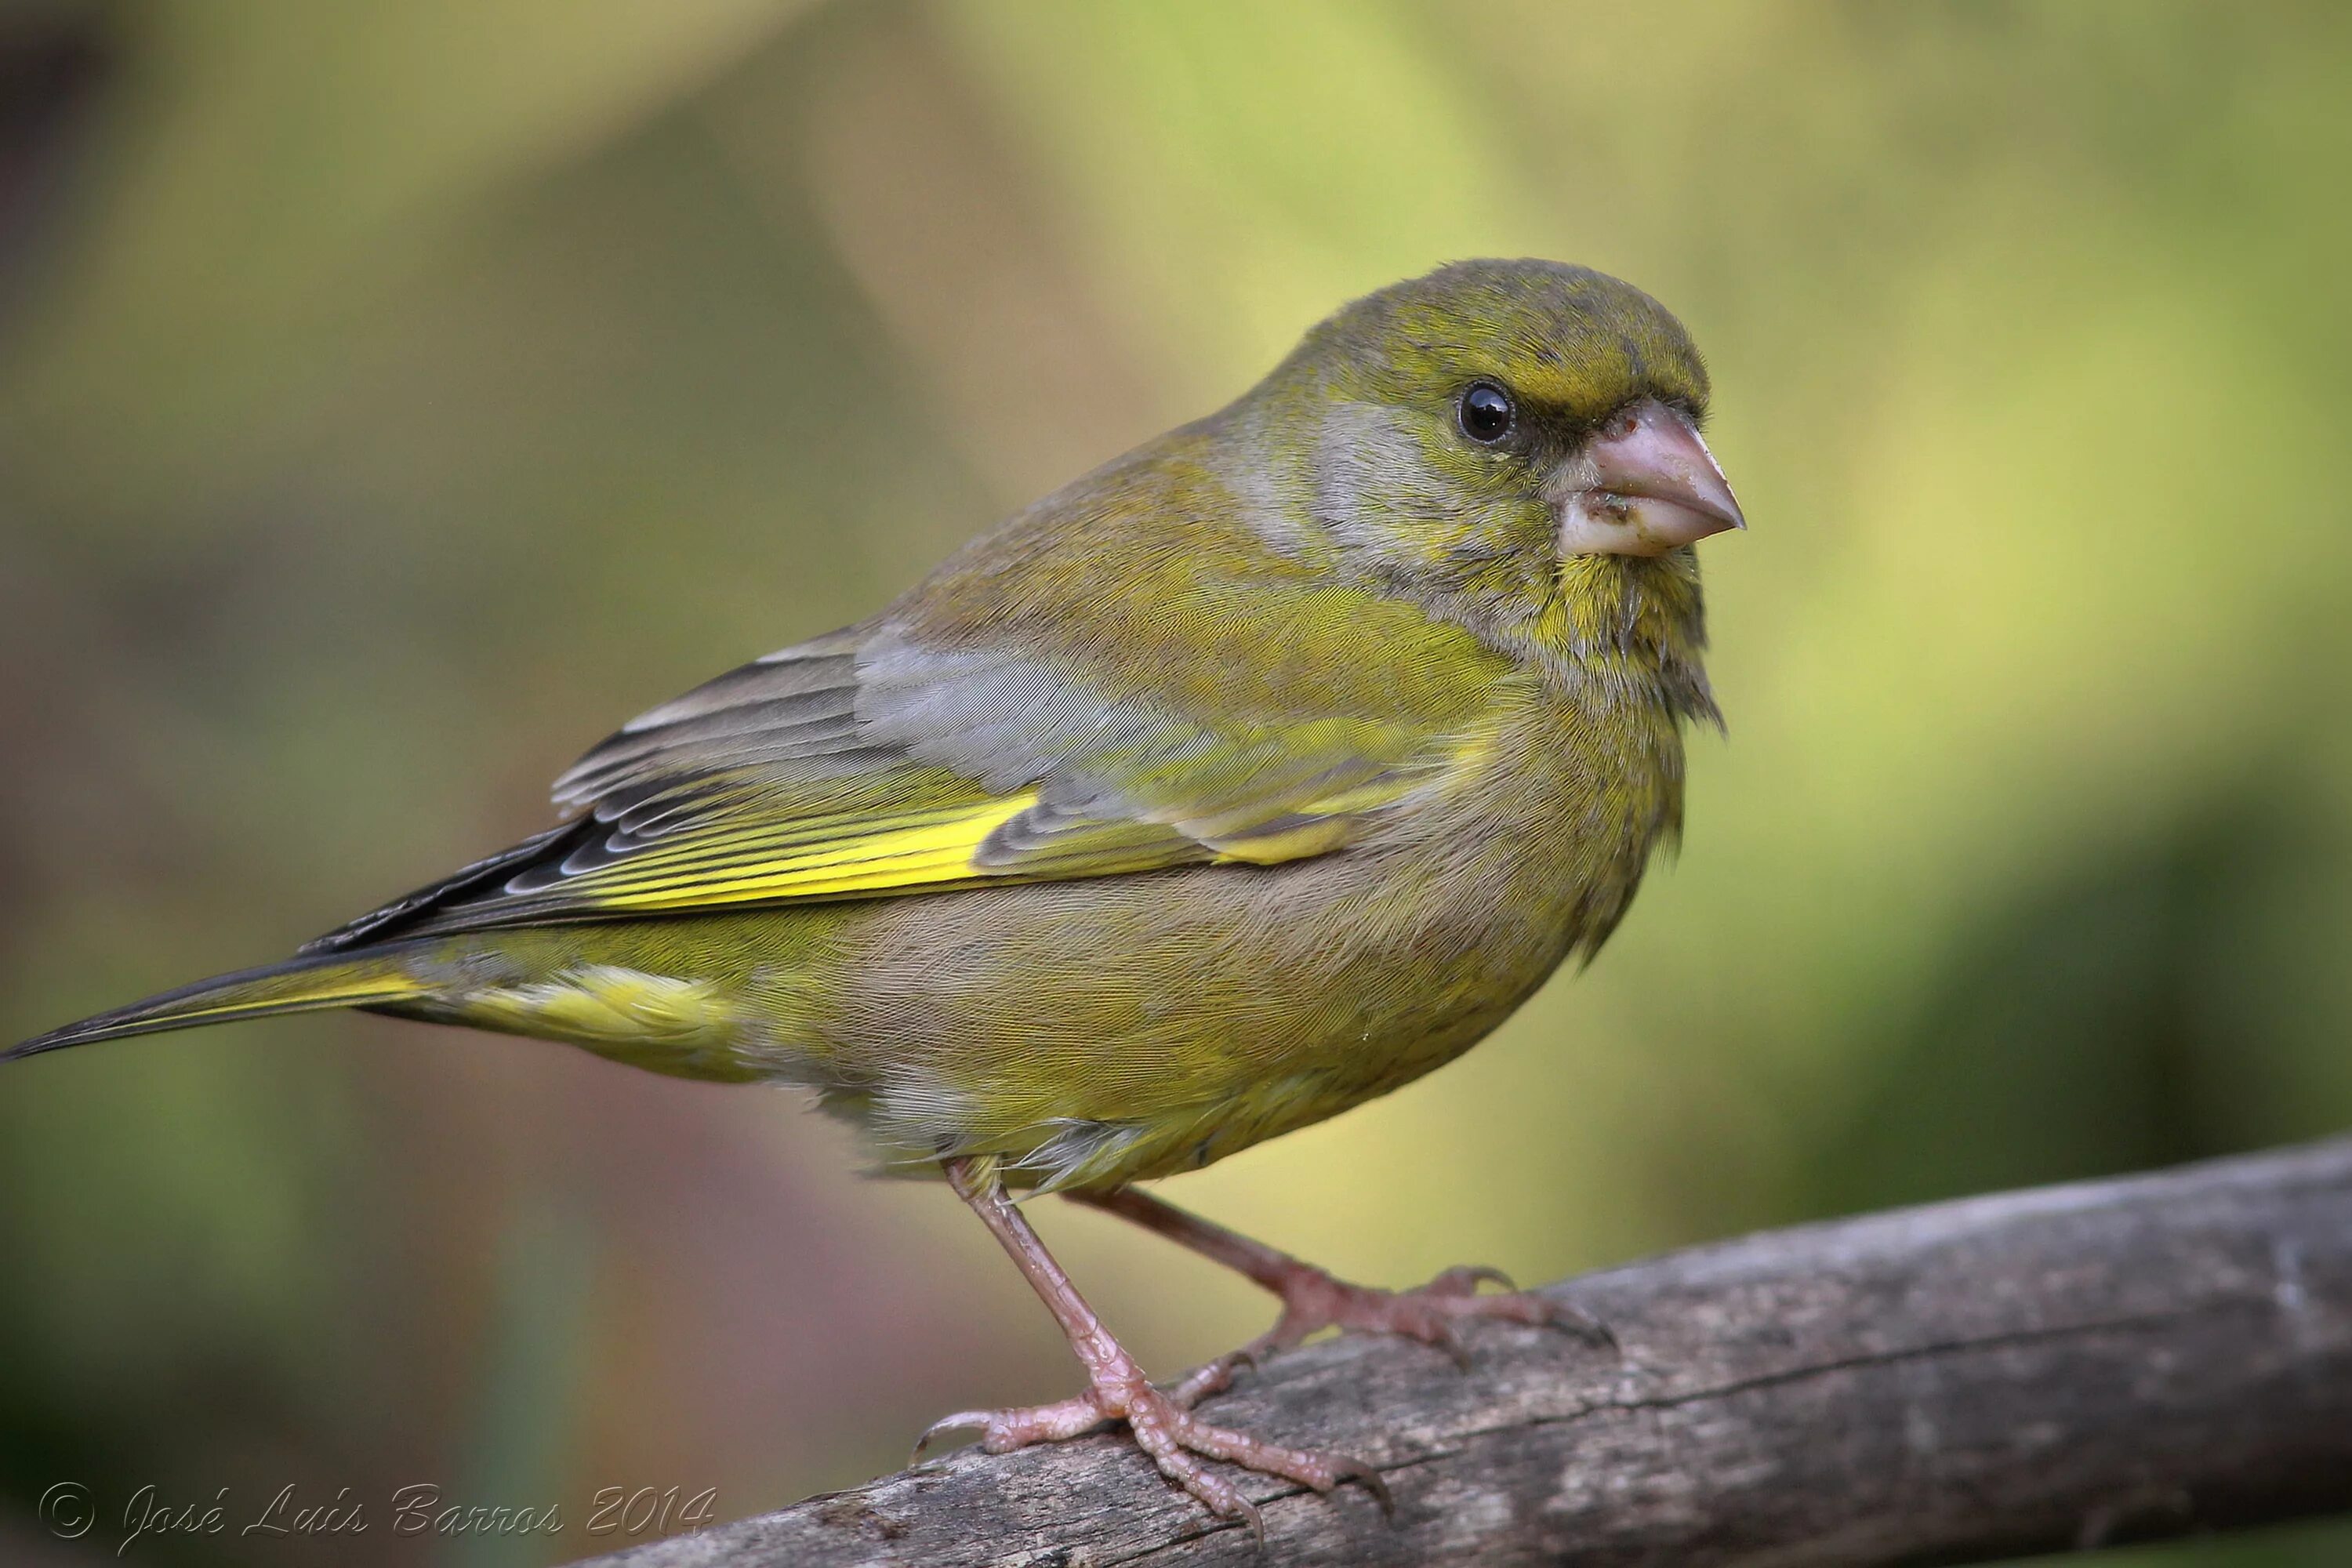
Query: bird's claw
x=1464 y=1279
x=1002 y=1431
x=1210 y=1377
x=1569 y=1318
x=1433 y=1313
x=1165 y=1427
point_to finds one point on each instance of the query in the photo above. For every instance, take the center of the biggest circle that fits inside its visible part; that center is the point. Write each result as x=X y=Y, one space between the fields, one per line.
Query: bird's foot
x=1433 y=1313
x=1163 y=1425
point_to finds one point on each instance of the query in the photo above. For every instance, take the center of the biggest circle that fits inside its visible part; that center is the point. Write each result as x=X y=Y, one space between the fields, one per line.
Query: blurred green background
x=394 y=398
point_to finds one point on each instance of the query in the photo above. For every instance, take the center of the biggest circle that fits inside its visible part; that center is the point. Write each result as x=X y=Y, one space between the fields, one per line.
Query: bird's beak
x=1643 y=485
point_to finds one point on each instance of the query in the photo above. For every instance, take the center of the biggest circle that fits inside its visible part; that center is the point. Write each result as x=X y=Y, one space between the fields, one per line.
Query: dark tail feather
x=297 y=985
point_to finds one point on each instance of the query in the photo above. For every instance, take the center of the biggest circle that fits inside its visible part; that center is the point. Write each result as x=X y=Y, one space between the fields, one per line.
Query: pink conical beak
x=1644 y=485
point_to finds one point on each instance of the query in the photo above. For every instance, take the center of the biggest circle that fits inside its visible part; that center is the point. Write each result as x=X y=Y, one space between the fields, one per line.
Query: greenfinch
x=1251 y=775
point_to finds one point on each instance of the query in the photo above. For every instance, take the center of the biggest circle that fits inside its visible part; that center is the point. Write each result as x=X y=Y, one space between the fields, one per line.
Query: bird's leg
x=1312 y=1300
x=1162 y=1423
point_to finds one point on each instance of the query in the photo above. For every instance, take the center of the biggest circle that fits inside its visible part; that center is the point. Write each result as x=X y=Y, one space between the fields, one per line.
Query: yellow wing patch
x=738 y=858
x=937 y=848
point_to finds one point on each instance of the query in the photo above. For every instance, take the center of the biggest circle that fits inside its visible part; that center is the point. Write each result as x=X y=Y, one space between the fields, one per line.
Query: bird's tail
x=297 y=985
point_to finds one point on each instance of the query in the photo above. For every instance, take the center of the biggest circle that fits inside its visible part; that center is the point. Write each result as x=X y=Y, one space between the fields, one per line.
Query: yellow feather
x=1315 y=837
x=938 y=851
x=377 y=988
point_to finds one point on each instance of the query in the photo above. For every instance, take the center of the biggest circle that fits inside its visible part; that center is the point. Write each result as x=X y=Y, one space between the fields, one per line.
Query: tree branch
x=2033 y=1371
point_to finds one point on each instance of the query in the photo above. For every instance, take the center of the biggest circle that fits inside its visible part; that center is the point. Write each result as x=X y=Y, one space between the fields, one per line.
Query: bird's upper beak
x=1643 y=485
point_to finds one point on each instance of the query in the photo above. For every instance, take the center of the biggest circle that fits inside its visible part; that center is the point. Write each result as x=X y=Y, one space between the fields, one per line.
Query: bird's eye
x=1488 y=413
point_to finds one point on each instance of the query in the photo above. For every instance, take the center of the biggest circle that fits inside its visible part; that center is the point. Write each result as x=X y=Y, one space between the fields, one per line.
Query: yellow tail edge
x=297 y=985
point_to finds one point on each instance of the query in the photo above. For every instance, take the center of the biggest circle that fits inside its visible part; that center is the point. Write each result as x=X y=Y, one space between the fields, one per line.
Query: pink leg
x=1313 y=1301
x=1161 y=1424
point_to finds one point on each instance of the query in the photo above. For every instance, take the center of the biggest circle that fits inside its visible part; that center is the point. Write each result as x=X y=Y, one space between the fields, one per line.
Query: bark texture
x=2033 y=1371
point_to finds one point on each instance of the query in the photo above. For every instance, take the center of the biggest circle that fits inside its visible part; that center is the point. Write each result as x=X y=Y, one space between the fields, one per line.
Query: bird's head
x=1497 y=433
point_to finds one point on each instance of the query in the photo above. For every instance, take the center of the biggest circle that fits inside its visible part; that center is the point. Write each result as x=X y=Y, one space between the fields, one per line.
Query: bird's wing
x=882 y=761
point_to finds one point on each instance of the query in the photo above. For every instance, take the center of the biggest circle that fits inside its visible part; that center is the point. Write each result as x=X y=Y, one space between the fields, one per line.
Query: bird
x=1248 y=777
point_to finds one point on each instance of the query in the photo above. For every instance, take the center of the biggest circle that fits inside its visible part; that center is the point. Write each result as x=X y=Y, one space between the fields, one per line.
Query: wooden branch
x=2034 y=1370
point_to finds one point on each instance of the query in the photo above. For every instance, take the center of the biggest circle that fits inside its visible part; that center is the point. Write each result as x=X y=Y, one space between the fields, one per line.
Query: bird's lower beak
x=1642 y=486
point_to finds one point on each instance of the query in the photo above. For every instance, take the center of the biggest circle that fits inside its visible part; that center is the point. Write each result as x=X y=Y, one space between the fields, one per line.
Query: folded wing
x=874 y=762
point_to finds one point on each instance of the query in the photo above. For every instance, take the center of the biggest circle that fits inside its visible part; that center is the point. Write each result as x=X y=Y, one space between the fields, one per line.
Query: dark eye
x=1488 y=413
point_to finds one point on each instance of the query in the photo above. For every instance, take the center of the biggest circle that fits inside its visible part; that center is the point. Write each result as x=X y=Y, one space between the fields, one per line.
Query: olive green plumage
x=1251 y=775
